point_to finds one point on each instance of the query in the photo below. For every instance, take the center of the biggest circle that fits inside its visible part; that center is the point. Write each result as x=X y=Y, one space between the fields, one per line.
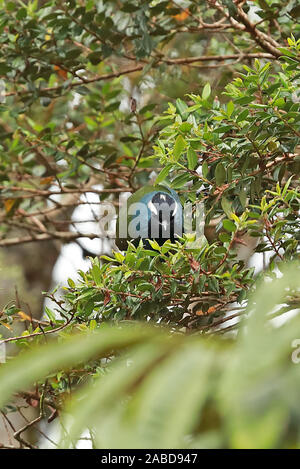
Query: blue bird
x=152 y=212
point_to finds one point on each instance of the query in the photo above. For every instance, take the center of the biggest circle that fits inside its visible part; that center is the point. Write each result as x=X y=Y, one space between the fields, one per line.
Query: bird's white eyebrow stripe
x=175 y=209
x=152 y=207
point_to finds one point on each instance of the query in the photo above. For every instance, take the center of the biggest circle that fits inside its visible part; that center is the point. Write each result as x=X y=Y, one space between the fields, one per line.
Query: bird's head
x=153 y=212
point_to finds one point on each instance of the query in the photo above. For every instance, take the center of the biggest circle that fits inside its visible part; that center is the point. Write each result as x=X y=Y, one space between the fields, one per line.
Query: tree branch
x=168 y=61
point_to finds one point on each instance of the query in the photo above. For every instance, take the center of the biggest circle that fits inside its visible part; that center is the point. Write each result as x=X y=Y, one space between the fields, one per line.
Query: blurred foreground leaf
x=167 y=390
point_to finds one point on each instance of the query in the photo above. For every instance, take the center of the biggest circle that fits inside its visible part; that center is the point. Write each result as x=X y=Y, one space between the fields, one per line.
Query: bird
x=151 y=213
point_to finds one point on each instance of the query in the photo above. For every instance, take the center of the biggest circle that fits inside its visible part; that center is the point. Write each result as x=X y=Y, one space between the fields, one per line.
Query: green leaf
x=220 y=174
x=4 y=69
x=180 y=180
x=181 y=106
x=95 y=57
x=222 y=129
x=229 y=225
x=154 y=244
x=93 y=324
x=245 y=100
x=71 y=283
x=185 y=127
x=58 y=355
x=206 y=91
x=119 y=257
x=230 y=108
x=180 y=145
x=21 y=14
x=205 y=169
x=192 y=158
x=148 y=107
x=226 y=205
x=242 y=116
x=50 y=314
x=97 y=274
x=164 y=173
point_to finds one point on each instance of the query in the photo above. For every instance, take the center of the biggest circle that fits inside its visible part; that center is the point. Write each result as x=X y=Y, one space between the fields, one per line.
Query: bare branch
x=168 y=61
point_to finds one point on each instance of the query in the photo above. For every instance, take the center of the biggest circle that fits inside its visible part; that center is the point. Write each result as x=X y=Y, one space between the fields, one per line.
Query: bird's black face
x=162 y=210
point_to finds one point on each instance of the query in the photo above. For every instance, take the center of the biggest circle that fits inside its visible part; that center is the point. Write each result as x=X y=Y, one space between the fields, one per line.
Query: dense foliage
x=163 y=391
x=248 y=155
